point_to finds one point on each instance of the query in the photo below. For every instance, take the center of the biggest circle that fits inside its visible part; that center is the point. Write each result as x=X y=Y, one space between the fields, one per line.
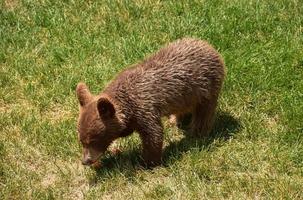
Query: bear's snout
x=87 y=161
x=90 y=156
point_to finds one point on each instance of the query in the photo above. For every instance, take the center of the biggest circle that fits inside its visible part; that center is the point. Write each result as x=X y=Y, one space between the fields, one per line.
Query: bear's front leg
x=151 y=134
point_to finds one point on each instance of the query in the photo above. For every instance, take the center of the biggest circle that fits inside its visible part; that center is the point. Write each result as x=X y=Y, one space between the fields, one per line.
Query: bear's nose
x=87 y=161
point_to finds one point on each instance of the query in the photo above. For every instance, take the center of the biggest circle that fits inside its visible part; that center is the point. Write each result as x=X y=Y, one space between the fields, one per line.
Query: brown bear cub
x=185 y=77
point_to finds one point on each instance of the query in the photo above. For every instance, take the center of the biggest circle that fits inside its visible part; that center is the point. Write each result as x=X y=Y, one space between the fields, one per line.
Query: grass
x=47 y=47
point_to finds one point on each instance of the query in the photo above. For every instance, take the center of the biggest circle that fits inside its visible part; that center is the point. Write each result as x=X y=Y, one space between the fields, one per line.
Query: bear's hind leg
x=203 y=118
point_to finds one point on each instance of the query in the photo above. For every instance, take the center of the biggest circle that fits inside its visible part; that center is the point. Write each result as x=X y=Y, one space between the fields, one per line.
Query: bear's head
x=98 y=124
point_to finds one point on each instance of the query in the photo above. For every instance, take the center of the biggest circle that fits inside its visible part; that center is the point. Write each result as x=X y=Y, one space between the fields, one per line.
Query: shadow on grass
x=129 y=162
x=225 y=126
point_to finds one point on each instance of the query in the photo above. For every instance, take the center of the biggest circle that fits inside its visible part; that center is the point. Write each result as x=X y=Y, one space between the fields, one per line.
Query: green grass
x=47 y=47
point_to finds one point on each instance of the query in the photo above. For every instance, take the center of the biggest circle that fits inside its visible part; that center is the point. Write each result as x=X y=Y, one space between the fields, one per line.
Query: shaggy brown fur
x=184 y=77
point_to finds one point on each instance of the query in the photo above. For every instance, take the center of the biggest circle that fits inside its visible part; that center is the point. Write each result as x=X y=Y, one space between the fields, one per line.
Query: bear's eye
x=93 y=140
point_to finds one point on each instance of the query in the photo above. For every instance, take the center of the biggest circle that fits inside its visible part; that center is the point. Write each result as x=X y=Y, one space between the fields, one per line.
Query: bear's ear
x=105 y=108
x=83 y=94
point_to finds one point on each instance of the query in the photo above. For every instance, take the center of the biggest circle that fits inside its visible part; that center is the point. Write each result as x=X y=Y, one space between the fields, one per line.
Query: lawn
x=47 y=47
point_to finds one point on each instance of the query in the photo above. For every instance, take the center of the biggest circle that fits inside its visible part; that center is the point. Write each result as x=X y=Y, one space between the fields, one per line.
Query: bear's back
x=175 y=77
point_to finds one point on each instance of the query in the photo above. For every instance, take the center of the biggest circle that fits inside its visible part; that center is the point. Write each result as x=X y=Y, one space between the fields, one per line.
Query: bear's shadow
x=128 y=163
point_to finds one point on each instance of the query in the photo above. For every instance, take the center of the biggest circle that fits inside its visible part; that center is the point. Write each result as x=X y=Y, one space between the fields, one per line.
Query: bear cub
x=185 y=77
